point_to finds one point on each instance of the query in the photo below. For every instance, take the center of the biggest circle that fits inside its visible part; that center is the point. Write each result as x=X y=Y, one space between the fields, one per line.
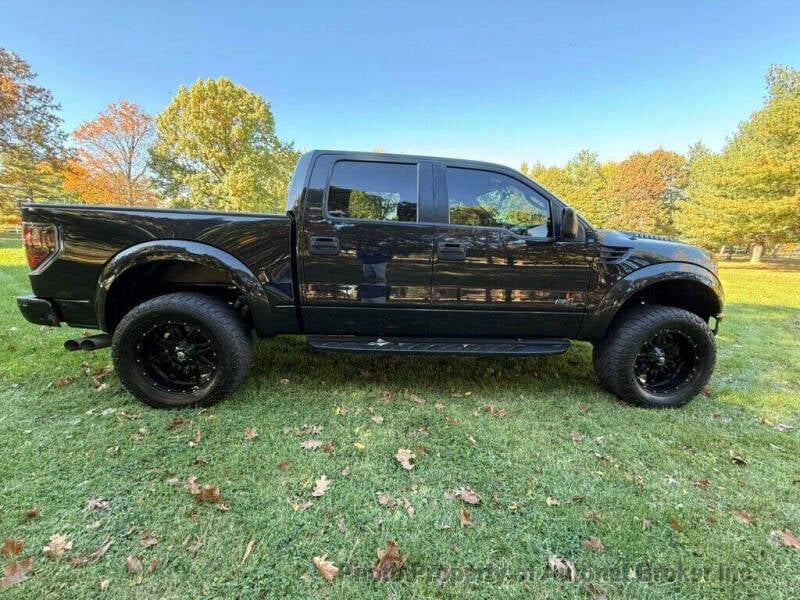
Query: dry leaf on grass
x=563 y=567
x=148 y=540
x=84 y=561
x=97 y=504
x=311 y=445
x=465 y=519
x=248 y=551
x=743 y=517
x=210 y=494
x=310 y=430
x=32 y=513
x=594 y=544
x=389 y=562
x=577 y=437
x=14 y=573
x=57 y=546
x=250 y=434
x=675 y=525
x=176 y=423
x=325 y=567
x=134 y=564
x=198 y=435
x=737 y=458
x=594 y=592
x=321 y=486
x=785 y=538
x=702 y=483
x=284 y=464
x=388 y=397
x=413 y=397
x=12 y=547
x=466 y=495
x=386 y=501
x=377 y=419
x=195 y=546
x=551 y=502
x=404 y=456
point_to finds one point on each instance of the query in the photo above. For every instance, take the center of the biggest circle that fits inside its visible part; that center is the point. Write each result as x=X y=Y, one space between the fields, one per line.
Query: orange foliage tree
x=111 y=164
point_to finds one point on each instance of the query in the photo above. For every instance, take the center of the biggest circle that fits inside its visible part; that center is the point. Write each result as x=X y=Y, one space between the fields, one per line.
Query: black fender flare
x=597 y=323
x=259 y=299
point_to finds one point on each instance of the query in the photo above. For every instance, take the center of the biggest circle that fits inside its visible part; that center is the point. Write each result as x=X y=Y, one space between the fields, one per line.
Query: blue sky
x=500 y=81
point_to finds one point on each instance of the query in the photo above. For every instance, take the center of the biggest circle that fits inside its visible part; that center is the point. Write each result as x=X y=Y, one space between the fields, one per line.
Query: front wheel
x=656 y=356
x=181 y=350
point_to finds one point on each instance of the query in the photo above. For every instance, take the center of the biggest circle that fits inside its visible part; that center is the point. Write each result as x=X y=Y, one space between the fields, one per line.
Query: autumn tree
x=643 y=190
x=750 y=192
x=31 y=139
x=216 y=148
x=111 y=162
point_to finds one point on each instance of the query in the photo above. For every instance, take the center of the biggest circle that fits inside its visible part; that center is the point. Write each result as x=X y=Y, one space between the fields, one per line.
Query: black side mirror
x=569 y=224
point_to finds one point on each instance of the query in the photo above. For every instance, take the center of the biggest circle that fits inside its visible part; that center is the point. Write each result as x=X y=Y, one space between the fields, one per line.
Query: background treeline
x=214 y=147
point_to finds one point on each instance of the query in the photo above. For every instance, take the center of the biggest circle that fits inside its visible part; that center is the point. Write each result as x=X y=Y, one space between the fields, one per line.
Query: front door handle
x=451 y=251
x=324 y=245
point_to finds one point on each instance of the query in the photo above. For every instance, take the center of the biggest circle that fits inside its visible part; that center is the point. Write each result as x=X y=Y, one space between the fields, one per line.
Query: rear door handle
x=451 y=251
x=324 y=245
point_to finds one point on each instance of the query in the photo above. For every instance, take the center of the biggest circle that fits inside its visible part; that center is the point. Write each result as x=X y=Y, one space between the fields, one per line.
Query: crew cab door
x=366 y=247
x=498 y=271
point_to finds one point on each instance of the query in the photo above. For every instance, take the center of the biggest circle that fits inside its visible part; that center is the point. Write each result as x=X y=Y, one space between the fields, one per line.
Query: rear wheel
x=656 y=356
x=182 y=350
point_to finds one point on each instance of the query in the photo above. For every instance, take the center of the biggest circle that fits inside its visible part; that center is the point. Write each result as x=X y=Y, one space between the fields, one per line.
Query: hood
x=657 y=248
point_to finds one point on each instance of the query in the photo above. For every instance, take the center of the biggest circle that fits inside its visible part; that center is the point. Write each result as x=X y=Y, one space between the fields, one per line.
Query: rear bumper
x=38 y=310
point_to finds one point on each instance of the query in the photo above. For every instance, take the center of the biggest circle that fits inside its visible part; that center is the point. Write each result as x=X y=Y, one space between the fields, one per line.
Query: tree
x=111 y=163
x=750 y=193
x=31 y=138
x=216 y=148
x=644 y=189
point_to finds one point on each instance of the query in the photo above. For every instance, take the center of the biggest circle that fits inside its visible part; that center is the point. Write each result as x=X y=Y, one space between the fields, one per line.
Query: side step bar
x=462 y=346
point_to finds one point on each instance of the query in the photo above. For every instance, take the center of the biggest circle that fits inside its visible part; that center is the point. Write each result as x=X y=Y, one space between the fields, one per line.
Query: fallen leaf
x=14 y=573
x=32 y=513
x=63 y=382
x=577 y=437
x=466 y=518
x=584 y=407
x=340 y=411
x=472 y=440
x=329 y=447
x=209 y=493
x=404 y=456
x=646 y=524
x=377 y=419
x=467 y=495
x=325 y=567
x=104 y=584
x=198 y=435
x=359 y=446
x=134 y=564
x=342 y=526
x=452 y=421
x=96 y=504
x=154 y=565
x=743 y=517
x=311 y=445
x=321 y=486
x=409 y=507
x=302 y=504
x=57 y=546
x=83 y=561
x=594 y=544
x=346 y=471
x=785 y=538
x=191 y=485
x=12 y=547
x=200 y=461
x=675 y=525
x=783 y=427
x=564 y=568
x=389 y=562
x=148 y=540
x=592 y=516
x=439 y=406
x=283 y=465
x=94 y=525
x=737 y=458
x=195 y=546
x=594 y=592
x=388 y=397
x=386 y=501
x=250 y=434
x=702 y=483
x=413 y=397
x=248 y=551
x=283 y=381
x=551 y=502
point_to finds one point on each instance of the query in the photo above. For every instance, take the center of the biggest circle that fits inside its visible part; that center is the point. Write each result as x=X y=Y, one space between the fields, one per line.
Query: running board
x=463 y=346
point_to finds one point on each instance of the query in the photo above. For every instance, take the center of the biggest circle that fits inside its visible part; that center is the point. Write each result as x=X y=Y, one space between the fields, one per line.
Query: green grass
x=58 y=449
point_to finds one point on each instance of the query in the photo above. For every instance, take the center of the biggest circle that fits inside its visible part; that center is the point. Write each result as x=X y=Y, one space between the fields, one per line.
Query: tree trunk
x=775 y=249
x=758 y=250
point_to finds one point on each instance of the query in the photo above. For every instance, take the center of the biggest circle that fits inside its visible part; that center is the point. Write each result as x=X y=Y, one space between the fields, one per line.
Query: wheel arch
x=158 y=267
x=680 y=285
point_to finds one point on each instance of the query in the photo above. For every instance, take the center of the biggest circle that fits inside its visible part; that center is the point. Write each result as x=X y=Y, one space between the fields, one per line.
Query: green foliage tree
x=31 y=139
x=750 y=192
x=216 y=148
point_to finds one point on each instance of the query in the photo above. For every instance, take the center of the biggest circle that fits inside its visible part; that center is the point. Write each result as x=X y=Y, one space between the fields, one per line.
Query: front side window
x=373 y=190
x=489 y=199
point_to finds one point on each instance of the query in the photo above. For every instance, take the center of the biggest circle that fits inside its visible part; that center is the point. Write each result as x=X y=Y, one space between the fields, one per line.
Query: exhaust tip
x=71 y=345
x=87 y=344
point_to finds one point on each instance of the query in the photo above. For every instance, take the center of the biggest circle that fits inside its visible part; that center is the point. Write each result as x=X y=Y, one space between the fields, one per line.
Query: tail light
x=42 y=243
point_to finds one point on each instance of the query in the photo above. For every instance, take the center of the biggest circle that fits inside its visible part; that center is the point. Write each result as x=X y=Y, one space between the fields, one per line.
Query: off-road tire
x=216 y=321
x=615 y=356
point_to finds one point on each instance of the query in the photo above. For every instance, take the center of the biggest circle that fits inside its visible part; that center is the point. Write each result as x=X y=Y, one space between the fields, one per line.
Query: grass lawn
x=554 y=459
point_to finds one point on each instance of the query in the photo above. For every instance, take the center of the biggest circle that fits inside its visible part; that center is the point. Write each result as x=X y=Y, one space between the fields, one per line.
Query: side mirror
x=569 y=224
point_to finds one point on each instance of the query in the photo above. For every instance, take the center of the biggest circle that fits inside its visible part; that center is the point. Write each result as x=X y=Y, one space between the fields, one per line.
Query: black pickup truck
x=376 y=253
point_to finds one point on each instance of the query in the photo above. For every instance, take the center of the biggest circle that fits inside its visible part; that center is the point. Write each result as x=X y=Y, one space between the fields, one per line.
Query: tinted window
x=490 y=199
x=373 y=190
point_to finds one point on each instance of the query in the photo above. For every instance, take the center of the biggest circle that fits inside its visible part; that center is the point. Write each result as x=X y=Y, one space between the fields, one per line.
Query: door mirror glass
x=569 y=224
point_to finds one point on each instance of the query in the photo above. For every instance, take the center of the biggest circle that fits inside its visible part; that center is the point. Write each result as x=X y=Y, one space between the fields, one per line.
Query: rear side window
x=374 y=191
